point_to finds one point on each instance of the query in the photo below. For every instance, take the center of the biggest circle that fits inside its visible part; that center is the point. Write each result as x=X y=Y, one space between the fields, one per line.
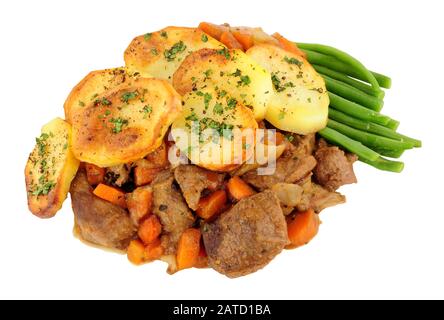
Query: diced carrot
x=230 y=41
x=288 y=45
x=244 y=37
x=94 y=174
x=136 y=252
x=153 y=251
x=302 y=228
x=238 y=188
x=150 y=229
x=213 y=177
x=212 y=204
x=139 y=203
x=212 y=29
x=143 y=175
x=110 y=194
x=188 y=248
x=159 y=157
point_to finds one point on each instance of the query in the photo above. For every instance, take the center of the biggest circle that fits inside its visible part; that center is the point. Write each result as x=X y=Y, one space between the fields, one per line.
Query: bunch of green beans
x=356 y=98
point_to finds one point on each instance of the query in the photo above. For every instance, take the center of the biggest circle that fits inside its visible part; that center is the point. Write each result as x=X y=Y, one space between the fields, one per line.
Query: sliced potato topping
x=161 y=53
x=300 y=100
x=94 y=84
x=125 y=123
x=231 y=71
x=207 y=130
x=50 y=169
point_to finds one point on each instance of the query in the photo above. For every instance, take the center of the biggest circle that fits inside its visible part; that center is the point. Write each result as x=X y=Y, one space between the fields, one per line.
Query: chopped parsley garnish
x=218 y=109
x=147 y=109
x=104 y=101
x=154 y=52
x=293 y=61
x=171 y=54
x=244 y=81
x=224 y=52
x=147 y=36
x=163 y=34
x=41 y=145
x=204 y=38
x=192 y=117
x=208 y=73
x=237 y=73
x=289 y=137
x=231 y=103
x=278 y=85
x=207 y=99
x=81 y=103
x=118 y=124
x=127 y=96
x=43 y=188
x=95 y=95
x=282 y=114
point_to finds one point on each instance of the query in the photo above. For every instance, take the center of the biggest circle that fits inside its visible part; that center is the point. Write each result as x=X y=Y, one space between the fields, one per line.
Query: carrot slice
x=150 y=229
x=238 y=188
x=212 y=29
x=188 y=248
x=153 y=251
x=94 y=174
x=110 y=194
x=288 y=45
x=213 y=177
x=244 y=38
x=302 y=228
x=139 y=203
x=230 y=41
x=212 y=204
x=143 y=175
x=136 y=252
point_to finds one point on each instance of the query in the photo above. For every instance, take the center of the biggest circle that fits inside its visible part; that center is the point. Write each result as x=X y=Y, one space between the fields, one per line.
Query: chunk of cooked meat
x=117 y=175
x=290 y=168
x=247 y=237
x=317 y=198
x=289 y=195
x=193 y=180
x=171 y=208
x=334 y=168
x=99 y=221
x=303 y=145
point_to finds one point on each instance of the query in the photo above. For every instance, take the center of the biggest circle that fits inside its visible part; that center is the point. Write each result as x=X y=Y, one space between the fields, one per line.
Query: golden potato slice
x=210 y=129
x=300 y=101
x=125 y=123
x=93 y=85
x=50 y=169
x=161 y=53
x=229 y=70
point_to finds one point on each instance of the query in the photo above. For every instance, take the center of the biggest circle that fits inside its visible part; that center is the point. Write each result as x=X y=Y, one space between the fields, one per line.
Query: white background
x=386 y=242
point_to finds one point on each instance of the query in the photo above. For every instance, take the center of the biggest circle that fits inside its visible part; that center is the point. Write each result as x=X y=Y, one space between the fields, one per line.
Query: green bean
x=369 y=139
x=355 y=110
x=392 y=124
x=370 y=127
x=389 y=153
x=350 y=81
x=349 y=144
x=344 y=57
x=350 y=93
x=384 y=164
x=339 y=66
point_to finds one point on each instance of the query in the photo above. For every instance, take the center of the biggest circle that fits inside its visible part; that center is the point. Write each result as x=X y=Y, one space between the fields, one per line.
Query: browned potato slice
x=231 y=71
x=94 y=84
x=205 y=131
x=161 y=53
x=126 y=123
x=50 y=169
